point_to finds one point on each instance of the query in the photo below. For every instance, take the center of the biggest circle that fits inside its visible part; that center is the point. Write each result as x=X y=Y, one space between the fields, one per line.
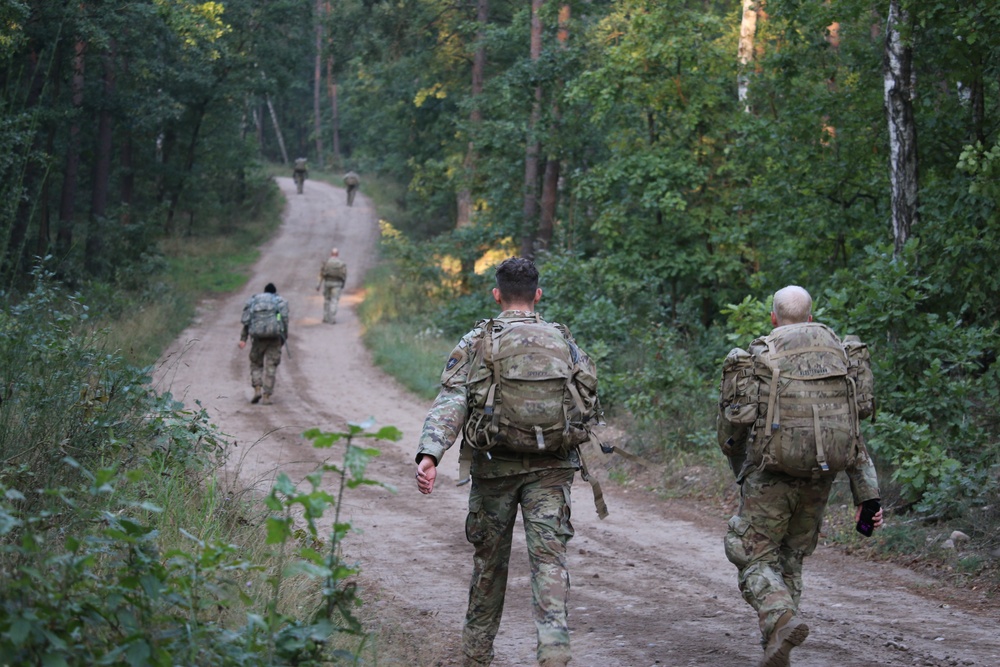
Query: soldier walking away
x=789 y=421
x=352 y=181
x=332 y=277
x=300 y=173
x=265 y=323
x=520 y=470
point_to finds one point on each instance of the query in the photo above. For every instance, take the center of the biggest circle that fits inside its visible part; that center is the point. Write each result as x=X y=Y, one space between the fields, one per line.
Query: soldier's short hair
x=791 y=305
x=270 y=288
x=517 y=279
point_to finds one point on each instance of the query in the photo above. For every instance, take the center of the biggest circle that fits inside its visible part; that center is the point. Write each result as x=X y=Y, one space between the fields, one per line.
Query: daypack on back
x=266 y=316
x=300 y=164
x=334 y=270
x=807 y=420
x=530 y=389
x=859 y=369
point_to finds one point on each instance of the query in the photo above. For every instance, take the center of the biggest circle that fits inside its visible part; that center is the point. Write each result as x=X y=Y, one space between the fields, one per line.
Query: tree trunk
x=318 y=84
x=898 y=70
x=475 y=115
x=71 y=173
x=533 y=148
x=550 y=181
x=126 y=178
x=744 y=55
x=33 y=172
x=277 y=130
x=102 y=164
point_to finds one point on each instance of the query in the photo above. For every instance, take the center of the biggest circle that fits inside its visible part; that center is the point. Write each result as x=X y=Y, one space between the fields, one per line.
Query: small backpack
x=859 y=369
x=530 y=390
x=266 y=316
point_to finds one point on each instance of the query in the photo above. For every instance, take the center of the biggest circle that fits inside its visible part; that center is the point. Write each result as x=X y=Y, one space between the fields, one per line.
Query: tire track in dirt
x=651 y=585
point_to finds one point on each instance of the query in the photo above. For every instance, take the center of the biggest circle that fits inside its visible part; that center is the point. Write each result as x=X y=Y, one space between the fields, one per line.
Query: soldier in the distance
x=300 y=173
x=332 y=277
x=352 y=181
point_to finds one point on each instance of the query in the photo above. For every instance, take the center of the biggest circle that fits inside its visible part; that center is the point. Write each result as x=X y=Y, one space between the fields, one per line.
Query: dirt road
x=651 y=585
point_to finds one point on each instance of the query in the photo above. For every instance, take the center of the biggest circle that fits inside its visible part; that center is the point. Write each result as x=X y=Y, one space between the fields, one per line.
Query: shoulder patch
x=452 y=360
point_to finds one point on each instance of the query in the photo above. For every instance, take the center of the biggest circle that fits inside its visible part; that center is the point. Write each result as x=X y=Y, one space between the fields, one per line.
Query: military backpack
x=528 y=391
x=266 y=316
x=798 y=389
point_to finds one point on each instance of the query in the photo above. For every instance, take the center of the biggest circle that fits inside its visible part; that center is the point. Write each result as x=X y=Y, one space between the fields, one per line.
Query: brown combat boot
x=266 y=399
x=789 y=632
x=256 y=395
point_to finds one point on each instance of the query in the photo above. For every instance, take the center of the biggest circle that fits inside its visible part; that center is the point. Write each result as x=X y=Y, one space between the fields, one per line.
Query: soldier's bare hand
x=243 y=344
x=426 y=475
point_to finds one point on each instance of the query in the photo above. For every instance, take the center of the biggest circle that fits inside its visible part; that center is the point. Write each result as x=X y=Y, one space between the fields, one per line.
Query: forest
x=668 y=163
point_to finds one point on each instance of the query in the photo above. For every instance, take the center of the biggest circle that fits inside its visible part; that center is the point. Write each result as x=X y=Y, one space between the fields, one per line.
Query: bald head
x=792 y=305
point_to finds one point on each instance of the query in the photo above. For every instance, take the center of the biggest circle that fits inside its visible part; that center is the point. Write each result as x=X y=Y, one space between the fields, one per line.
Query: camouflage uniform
x=333 y=276
x=502 y=481
x=352 y=181
x=265 y=354
x=300 y=173
x=778 y=524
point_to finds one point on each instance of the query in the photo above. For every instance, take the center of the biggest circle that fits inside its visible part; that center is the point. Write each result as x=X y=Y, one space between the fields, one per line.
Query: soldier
x=352 y=181
x=300 y=173
x=780 y=515
x=265 y=322
x=501 y=481
x=332 y=277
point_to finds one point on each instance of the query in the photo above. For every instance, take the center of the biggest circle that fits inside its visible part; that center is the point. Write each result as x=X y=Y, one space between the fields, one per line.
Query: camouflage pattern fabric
x=447 y=416
x=265 y=355
x=502 y=481
x=333 y=275
x=544 y=498
x=779 y=517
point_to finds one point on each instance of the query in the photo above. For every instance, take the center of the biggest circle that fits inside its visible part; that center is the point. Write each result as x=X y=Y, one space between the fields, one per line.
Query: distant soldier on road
x=332 y=277
x=300 y=173
x=352 y=181
x=265 y=322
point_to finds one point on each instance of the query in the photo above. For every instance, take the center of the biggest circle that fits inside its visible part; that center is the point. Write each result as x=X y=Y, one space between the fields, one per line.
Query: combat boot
x=266 y=399
x=789 y=632
x=256 y=395
x=554 y=662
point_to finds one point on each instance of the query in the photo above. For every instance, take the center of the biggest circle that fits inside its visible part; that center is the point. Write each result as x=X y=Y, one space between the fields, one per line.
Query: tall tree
x=464 y=217
x=745 y=53
x=318 y=84
x=898 y=69
x=550 y=179
x=533 y=143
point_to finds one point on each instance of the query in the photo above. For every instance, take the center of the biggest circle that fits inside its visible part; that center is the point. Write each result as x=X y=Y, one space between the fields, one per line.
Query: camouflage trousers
x=265 y=355
x=544 y=498
x=777 y=526
x=351 y=191
x=331 y=297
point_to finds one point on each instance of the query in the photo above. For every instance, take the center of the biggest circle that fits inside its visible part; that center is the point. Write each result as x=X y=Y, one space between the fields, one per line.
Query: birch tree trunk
x=532 y=148
x=744 y=54
x=475 y=115
x=898 y=71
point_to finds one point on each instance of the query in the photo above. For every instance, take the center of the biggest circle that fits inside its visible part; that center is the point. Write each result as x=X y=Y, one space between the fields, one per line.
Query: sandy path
x=651 y=585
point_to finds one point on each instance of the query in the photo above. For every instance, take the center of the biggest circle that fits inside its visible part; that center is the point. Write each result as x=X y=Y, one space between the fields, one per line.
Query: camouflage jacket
x=450 y=409
x=734 y=441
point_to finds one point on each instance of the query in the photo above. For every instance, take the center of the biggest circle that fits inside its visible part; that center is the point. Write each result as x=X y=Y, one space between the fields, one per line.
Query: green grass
x=416 y=360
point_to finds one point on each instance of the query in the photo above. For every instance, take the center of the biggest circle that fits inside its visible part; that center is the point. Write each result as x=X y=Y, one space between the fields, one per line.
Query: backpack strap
x=599 y=504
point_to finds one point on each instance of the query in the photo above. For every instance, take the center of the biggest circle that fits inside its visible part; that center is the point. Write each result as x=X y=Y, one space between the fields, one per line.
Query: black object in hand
x=866 y=524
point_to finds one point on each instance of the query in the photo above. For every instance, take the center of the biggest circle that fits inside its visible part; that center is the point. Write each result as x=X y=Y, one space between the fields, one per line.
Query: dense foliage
x=125 y=122
x=680 y=208
x=664 y=207
x=119 y=544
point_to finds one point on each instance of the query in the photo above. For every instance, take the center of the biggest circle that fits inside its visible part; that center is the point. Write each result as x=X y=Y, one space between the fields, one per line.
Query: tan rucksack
x=798 y=389
x=531 y=390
